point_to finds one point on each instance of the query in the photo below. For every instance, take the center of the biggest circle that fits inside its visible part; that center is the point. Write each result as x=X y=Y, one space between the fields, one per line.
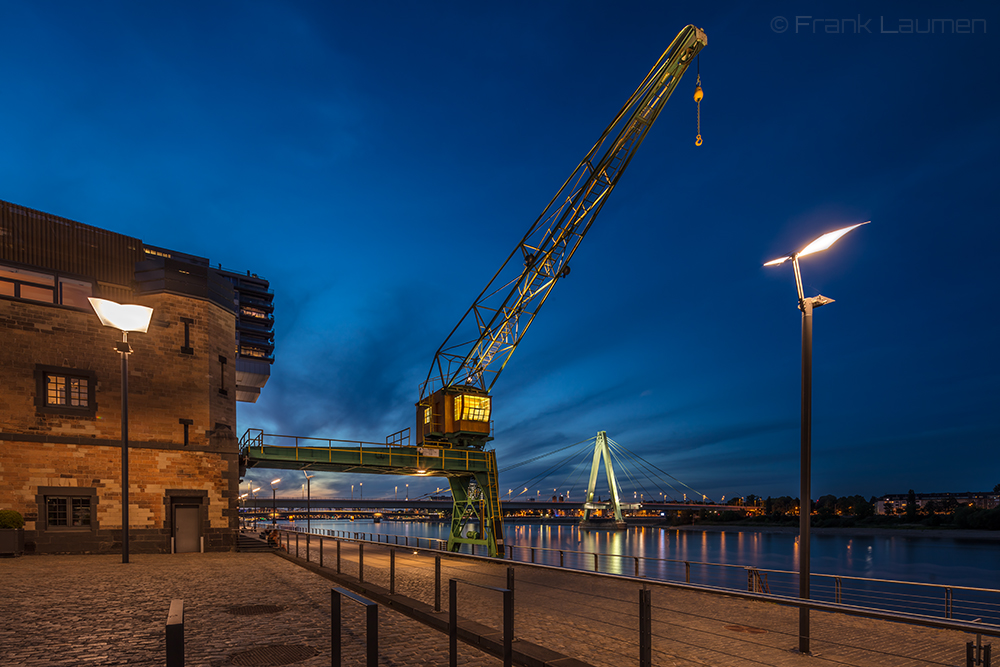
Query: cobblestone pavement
x=595 y=619
x=94 y=610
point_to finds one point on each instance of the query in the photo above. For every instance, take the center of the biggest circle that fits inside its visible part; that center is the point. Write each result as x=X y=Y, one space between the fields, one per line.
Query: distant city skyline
x=376 y=163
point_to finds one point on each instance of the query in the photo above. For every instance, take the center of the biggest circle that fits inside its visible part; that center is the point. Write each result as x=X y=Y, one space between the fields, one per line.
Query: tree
x=996 y=489
x=911 y=506
x=768 y=506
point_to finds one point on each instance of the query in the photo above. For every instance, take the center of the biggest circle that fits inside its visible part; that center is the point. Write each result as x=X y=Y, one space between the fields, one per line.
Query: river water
x=721 y=558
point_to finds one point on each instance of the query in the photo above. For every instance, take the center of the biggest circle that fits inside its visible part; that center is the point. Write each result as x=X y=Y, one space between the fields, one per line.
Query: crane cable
x=698 y=94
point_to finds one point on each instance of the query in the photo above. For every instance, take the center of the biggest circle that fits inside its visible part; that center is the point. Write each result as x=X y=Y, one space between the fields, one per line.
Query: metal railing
x=940 y=600
x=660 y=614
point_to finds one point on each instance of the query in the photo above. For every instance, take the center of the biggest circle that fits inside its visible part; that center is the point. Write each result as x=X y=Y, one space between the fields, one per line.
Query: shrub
x=11 y=519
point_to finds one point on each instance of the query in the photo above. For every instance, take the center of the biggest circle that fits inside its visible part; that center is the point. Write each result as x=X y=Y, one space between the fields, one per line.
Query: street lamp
x=361 y=490
x=806 y=305
x=125 y=318
x=407 y=491
x=308 y=500
x=274 y=503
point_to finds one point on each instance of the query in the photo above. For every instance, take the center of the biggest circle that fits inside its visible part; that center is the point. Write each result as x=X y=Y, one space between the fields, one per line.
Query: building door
x=187 y=528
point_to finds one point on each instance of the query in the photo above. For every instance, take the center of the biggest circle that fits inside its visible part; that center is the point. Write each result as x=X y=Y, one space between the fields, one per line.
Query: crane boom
x=475 y=352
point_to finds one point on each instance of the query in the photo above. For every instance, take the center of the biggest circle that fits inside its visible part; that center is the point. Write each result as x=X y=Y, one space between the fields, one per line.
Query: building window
x=186 y=348
x=44 y=287
x=472 y=408
x=65 y=391
x=68 y=511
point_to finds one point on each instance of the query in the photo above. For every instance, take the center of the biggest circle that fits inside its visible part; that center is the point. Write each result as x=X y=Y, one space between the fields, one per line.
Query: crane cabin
x=457 y=416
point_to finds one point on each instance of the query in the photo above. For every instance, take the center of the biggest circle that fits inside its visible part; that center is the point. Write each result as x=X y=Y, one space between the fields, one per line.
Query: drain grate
x=254 y=609
x=273 y=655
x=746 y=628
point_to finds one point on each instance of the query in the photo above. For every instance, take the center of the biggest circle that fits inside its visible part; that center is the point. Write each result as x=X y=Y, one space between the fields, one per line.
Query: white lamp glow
x=122 y=317
x=822 y=243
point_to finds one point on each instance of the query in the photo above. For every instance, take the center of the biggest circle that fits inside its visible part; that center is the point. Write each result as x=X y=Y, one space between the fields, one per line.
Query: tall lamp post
x=308 y=501
x=806 y=305
x=274 y=503
x=125 y=318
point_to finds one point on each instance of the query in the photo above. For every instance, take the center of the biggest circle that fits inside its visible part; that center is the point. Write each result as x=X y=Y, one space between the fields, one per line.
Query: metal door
x=187 y=529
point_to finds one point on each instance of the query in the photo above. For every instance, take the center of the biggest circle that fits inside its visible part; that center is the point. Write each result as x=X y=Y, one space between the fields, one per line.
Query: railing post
x=371 y=612
x=947 y=602
x=839 y=589
x=321 y=541
x=687 y=572
x=645 y=629
x=560 y=558
x=437 y=583
x=296 y=545
x=335 y=646
x=392 y=571
x=338 y=556
x=510 y=587
x=452 y=623
x=532 y=554
x=636 y=558
x=308 y=547
x=595 y=561
x=508 y=620
x=361 y=562
x=175 y=634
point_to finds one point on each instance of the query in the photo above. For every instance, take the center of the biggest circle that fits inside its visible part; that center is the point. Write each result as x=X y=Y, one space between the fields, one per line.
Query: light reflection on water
x=940 y=560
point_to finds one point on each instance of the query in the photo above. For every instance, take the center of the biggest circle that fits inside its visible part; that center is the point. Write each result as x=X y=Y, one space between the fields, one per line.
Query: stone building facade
x=61 y=395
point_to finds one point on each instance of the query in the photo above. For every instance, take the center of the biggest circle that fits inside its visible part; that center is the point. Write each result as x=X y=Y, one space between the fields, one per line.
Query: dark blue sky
x=377 y=161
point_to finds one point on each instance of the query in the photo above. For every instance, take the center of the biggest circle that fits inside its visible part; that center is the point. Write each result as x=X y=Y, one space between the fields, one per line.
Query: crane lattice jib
x=481 y=343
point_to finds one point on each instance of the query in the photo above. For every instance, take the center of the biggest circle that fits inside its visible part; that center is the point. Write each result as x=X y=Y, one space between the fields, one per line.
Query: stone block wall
x=181 y=378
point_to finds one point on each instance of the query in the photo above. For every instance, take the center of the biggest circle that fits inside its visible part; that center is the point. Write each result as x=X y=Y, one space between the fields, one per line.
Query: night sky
x=378 y=161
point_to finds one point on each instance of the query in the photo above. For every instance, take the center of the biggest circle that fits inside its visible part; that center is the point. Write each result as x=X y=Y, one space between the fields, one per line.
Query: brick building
x=60 y=398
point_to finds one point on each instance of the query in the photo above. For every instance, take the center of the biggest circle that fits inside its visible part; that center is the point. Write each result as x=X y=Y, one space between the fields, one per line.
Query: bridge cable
x=663 y=471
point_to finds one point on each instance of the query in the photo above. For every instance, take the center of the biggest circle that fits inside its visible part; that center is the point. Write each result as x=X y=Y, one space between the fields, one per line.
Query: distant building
x=896 y=503
x=209 y=344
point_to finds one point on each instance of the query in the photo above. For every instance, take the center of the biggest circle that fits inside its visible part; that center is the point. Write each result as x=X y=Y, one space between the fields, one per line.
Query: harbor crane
x=455 y=406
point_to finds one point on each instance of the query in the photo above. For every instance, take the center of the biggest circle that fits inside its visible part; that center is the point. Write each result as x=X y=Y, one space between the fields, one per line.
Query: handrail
x=974 y=627
x=386 y=539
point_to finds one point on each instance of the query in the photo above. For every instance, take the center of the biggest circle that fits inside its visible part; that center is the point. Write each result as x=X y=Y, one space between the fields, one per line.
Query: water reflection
x=957 y=562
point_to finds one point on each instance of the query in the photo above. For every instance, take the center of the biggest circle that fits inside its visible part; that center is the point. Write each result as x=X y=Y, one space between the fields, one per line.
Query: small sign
x=428 y=451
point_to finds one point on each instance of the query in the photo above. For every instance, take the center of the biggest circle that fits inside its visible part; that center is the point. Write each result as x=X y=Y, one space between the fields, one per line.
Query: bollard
x=175 y=634
x=437 y=583
x=361 y=562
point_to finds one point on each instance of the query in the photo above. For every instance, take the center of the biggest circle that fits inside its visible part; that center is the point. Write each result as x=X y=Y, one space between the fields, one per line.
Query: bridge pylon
x=614 y=504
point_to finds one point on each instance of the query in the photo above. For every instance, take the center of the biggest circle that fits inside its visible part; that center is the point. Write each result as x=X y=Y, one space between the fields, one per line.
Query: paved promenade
x=93 y=610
